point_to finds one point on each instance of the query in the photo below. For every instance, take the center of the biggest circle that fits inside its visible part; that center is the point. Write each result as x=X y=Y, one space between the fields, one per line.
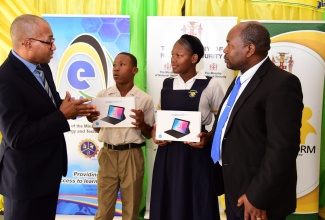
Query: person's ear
x=27 y=44
x=135 y=70
x=251 y=50
x=195 y=57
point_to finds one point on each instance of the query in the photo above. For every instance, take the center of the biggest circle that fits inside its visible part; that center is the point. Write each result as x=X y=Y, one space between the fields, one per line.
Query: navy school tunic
x=182 y=185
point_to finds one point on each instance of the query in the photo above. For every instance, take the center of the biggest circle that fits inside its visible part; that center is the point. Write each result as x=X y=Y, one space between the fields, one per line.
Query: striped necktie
x=45 y=84
x=216 y=144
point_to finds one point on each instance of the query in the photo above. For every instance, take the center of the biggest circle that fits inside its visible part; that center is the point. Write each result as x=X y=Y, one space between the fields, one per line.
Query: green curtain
x=138 y=11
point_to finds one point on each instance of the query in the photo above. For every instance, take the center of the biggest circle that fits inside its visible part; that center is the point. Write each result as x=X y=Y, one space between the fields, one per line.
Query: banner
x=162 y=33
x=298 y=47
x=82 y=64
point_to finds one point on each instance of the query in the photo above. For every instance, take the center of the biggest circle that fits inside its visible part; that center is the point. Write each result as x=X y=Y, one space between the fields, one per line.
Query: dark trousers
x=40 y=208
x=231 y=215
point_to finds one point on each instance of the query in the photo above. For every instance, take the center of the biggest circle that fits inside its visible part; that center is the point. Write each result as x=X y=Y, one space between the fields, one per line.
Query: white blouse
x=210 y=99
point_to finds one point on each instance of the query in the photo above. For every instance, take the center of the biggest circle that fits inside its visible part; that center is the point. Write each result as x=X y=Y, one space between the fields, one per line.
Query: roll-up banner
x=299 y=48
x=82 y=64
x=162 y=33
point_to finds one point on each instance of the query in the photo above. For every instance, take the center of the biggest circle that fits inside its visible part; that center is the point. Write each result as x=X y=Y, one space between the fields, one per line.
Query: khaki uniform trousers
x=122 y=170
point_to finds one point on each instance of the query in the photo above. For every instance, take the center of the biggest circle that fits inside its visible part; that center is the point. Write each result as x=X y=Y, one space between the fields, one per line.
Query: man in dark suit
x=33 y=154
x=259 y=140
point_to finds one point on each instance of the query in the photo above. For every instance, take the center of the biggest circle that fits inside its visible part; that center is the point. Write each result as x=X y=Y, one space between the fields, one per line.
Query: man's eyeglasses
x=51 y=42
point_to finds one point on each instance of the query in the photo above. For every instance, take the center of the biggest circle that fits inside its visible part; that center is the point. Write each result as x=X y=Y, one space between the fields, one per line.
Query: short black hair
x=132 y=57
x=257 y=34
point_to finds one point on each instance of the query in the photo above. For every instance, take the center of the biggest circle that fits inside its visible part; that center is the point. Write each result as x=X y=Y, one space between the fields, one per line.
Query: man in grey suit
x=33 y=154
x=260 y=137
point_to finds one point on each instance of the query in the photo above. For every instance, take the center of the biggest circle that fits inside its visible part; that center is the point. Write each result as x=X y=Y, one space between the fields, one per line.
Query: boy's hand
x=93 y=116
x=140 y=123
x=139 y=117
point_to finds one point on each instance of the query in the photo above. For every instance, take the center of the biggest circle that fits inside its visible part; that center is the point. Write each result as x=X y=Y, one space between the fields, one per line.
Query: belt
x=123 y=146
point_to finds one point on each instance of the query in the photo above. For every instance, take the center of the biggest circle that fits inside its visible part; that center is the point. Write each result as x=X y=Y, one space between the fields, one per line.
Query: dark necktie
x=216 y=144
x=45 y=84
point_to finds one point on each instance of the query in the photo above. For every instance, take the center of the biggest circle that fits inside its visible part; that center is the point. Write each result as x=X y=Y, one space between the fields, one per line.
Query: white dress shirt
x=244 y=79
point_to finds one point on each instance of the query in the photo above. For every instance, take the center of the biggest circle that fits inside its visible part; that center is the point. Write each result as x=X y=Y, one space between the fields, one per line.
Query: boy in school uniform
x=121 y=161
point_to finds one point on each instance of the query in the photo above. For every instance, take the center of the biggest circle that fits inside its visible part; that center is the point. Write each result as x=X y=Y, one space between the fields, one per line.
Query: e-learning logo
x=84 y=67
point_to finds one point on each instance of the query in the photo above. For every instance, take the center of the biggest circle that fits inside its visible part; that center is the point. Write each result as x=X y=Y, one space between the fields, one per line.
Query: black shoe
x=2 y=212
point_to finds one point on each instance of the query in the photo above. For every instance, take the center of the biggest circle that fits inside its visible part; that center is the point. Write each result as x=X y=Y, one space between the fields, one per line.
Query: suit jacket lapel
x=23 y=72
x=253 y=83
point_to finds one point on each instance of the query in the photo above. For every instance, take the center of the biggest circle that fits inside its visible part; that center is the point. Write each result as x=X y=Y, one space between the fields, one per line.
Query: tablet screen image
x=180 y=125
x=179 y=129
x=115 y=112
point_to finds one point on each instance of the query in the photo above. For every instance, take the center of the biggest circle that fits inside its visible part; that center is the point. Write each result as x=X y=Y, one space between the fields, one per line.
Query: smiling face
x=183 y=60
x=236 y=52
x=124 y=69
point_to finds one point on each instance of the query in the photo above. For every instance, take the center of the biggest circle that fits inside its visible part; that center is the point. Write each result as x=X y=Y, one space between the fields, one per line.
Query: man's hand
x=72 y=108
x=250 y=212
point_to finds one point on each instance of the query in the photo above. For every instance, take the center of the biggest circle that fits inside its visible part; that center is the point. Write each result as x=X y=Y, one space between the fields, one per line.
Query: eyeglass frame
x=45 y=42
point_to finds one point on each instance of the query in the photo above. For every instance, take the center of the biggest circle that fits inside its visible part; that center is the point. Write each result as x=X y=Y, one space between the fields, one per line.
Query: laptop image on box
x=179 y=129
x=115 y=115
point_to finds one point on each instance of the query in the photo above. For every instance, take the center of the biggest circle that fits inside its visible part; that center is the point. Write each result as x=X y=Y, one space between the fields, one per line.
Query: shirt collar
x=30 y=66
x=115 y=90
x=250 y=72
x=199 y=75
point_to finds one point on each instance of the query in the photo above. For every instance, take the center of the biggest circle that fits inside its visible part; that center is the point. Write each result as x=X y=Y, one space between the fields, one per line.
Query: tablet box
x=114 y=111
x=178 y=125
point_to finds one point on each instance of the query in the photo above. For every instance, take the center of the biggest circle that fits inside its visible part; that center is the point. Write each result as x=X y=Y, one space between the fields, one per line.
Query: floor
x=81 y=217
